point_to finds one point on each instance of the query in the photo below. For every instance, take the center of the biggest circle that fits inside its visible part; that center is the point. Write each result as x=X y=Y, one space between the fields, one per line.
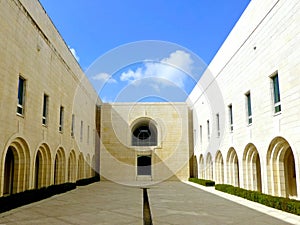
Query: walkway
x=109 y=203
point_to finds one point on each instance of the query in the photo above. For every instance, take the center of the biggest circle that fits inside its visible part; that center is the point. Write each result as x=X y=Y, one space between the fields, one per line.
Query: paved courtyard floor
x=170 y=203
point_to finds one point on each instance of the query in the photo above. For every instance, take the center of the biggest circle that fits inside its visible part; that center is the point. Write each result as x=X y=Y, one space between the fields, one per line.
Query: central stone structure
x=144 y=142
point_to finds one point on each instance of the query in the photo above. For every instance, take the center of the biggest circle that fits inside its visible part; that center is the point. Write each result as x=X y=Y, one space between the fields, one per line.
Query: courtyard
x=170 y=203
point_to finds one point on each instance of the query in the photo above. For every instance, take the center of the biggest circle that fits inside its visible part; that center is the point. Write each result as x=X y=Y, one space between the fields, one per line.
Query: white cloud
x=172 y=69
x=104 y=77
x=74 y=53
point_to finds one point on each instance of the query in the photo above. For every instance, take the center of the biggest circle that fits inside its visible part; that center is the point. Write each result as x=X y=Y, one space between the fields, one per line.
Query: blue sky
x=95 y=29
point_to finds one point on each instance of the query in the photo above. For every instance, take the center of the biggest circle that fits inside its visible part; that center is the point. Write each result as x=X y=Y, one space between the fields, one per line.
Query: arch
x=16 y=167
x=194 y=167
x=219 y=168
x=281 y=169
x=59 y=166
x=252 y=168
x=93 y=166
x=42 y=167
x=201 y=167
x=88 y=166
x=233 y=168
x=209 y=167
x=144 y=132
x=72 y=167
x=80 y=170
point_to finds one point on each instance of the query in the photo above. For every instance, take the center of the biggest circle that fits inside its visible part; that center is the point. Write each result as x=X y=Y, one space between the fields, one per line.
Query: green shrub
x=284 y=204
x=207 y=183
x=87 y=181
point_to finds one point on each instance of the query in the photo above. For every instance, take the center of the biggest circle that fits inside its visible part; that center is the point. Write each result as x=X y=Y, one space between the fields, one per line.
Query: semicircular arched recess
x=59 y=166
x=42 y=167
x=281 y=169
x=233 y=175
x=209 y=167
x=252 y=168
x=201 y=167
x=144 y=133
x=16 y=162
x=219 y=168
x=72 y=167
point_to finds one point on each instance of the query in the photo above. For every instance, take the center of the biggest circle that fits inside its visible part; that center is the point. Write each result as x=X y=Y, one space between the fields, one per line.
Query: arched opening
x=281 y=169
x=144 y=165
x=80 y=171
x=144 y=134
x=209 y=167
x=252 y=168
x=9 y=172
x=59 y=167
x=233 y=168
x=87 y=166
x=42 y=167
x=38 y=172
x=201 y=167
x=72 y=167
x=219 y=165
x=93 y=166
x=194 y=172
x=16 y=168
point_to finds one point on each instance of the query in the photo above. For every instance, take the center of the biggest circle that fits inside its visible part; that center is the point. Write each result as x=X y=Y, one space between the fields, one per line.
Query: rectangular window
x=249 y=108
x=61 y=118
x=21 y=96
x=230 y=118
x=276 y=94
x=45 y=109
x=208 y=130
x=81 y=130
x=88 y=134
x=200 y=134
x=73 y=125
x=218 y=124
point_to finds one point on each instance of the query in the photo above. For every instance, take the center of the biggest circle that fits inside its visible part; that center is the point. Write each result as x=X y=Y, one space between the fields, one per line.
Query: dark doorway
x=9 y=172
x=144 y=165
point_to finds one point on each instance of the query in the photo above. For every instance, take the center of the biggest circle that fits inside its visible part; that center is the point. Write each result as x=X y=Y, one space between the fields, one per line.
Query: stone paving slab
x=110 y=203
x=98 y=203
x=179 y=203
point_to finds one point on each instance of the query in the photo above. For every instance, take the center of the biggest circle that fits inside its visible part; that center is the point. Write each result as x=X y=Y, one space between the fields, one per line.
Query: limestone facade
x=168 y=154
x=249 y=100
x=47 y=136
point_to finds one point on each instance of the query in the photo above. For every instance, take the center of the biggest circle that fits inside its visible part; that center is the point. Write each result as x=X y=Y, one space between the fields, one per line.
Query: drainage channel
x=146 y=208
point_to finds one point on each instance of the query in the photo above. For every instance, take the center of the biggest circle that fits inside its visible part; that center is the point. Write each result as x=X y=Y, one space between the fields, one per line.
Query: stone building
x=46 y=138
x=252 y=139
x=240 y=125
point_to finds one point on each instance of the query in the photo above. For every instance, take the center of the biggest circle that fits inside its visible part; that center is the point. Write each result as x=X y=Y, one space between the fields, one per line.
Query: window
x=276 y=94
x=218 y=124
x=21 y=96
x=145 y=134
x=73 y=125
x=61 y=118
x=200 y=134
x=81 y=130
x=230 y=118
x=45 y=109
x=208 y=130
x=249 y=109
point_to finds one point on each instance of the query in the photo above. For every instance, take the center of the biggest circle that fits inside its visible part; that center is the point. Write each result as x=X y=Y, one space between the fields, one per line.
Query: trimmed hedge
x=88 y=181
x=207 y=183
x=23 y=198
x=30 y=196
x=284 y=204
